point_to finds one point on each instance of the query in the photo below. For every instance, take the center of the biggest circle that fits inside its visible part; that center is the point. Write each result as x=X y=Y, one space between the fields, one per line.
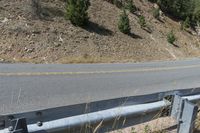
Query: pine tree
x=186 y=23
x=131 y=6
x=171 y=37
x=178 y=8
x=156 y=13
x=76 y=11
x=123 y=24
x=196 y=14
x=142 y=21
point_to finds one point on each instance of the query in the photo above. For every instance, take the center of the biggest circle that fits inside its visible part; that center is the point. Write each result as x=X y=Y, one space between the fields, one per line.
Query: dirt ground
x=52 y=39
x=160 y=125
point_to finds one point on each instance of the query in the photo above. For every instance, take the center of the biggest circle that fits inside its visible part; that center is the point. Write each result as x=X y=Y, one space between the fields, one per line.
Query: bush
x=154 y=1
x=171 y=37
x=181 y=9
x=123 y=24
x=130 y=6
x=76 y=11
x=196 y=16
x=118 y=3
x=142 y=21
x=177 y=8
x=182 y=25
x=156 y=13
x=186 y=23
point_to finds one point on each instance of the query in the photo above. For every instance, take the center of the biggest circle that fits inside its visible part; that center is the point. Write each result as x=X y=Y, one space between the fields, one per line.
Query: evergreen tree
x=181 y=9
x=178 y=8
x=186 y=23
x=171 y=37
x=196 y=13
x=76 y=11
x=156 y=13
x=142 y=21
x=123 y=24
x=131 y=6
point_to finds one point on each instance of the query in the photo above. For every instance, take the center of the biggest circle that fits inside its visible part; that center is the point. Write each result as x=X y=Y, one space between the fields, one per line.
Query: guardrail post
x=18 y=126
x=185 y=113
x=2 y=122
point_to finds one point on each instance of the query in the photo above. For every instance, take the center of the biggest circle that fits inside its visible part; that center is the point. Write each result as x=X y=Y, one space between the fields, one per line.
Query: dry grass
x=84 y=59
x=155 y=126
x=197 y=124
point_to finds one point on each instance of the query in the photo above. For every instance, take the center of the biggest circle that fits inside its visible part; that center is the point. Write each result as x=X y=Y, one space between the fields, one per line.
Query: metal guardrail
x=108 y=115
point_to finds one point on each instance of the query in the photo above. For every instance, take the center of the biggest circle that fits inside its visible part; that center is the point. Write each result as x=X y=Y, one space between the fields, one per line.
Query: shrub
x=186 y=23
x=118 y=3
x=181 y=9
x=76 y=11
x=142 y=21
x=196 y=15
x=182 y=26
x=177 y=8
x=123 y=24
x=156 y=13
x=171 y=37
x=131 y=6
x=154 y=1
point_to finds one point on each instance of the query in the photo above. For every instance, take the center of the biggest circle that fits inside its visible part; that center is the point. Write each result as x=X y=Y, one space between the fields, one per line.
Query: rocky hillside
x=51 y=38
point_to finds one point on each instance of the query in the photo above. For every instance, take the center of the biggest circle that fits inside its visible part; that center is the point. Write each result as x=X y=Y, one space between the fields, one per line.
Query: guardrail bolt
x=39 y=123
x=10 y=128
x=180 y=121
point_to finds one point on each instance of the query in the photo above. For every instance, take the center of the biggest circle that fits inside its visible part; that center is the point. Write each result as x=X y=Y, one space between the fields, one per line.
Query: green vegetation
x=181 y=9
x=185 y=24
x=177 y=8
x=171 y=37
x=131 y=6
x=123 y=24
x=118 y=3
x=196 y=14
x=142 y=22
x=76 y=11
x=133 y=130
x=156 y=13
x=147 y=129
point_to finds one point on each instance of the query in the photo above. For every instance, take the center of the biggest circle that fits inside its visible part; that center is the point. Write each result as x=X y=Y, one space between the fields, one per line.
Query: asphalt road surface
x=26 y=87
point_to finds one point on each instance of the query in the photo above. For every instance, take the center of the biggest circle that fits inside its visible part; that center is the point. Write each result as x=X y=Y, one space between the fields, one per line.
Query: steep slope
x=52 y=39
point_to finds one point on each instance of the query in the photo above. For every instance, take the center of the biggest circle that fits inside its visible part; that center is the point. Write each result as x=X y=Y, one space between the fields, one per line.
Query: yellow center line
x=97 y=72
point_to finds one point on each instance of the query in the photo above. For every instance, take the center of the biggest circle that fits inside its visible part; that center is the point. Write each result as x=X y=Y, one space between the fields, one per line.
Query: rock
x=156 y=6
x=60 y=39
x=198 y=30
x=86 y=36
x=57 y=45
x=36 y=32
x=5 y=20
x=28 y=50
x=2 y=60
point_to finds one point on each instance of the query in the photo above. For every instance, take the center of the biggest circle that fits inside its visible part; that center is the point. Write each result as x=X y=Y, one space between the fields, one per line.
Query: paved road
x=25 y=87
